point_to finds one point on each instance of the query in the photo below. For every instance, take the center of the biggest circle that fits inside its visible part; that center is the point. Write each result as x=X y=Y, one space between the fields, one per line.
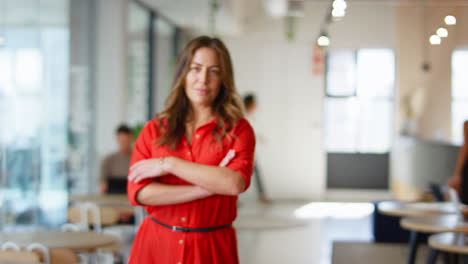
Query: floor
x=309 y=239
x=300 y=231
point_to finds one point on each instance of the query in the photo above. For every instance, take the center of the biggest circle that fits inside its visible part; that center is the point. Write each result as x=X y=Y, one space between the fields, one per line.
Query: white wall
x=290 y=112
x=110 y=77
x=434 y=122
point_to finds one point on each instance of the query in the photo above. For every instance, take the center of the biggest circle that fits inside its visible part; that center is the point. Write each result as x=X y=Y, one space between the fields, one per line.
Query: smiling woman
x=203 y=79
x=176 y=170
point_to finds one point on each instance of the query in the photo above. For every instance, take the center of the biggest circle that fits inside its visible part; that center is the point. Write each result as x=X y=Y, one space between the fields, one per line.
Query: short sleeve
x=244 y=147
x=141 y=151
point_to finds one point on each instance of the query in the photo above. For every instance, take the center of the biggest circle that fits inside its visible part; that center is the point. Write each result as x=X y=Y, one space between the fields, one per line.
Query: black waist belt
x=186 y=229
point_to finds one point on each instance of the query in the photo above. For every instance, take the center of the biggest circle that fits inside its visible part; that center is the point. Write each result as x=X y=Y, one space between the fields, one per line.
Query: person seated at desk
x=114 y=168
x=459 y=181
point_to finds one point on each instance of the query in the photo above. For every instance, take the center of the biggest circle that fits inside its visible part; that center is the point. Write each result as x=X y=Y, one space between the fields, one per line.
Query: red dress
x=158 y=244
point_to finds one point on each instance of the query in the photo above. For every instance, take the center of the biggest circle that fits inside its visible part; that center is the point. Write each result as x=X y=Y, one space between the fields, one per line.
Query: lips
x=202 y=91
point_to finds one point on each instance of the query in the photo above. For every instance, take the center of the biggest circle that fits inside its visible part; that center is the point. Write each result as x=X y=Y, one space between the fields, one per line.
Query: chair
x=11 y=256
x=438 y=191
x=89 y=213
x=64 y=255
x=452 y=244
x=34 y=253
x=101 y=255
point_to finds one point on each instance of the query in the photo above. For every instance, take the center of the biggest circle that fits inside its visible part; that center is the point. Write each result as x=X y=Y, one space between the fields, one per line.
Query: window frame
x=357 y=149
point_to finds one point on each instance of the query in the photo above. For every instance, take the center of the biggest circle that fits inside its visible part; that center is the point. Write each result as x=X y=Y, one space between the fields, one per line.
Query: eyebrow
x=199 y=64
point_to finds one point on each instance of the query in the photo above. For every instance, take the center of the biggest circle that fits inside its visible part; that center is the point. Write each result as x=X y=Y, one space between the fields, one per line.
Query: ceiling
x=234 y=14
x=195 y=14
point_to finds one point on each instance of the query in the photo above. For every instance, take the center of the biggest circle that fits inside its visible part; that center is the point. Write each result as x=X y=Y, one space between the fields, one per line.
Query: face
x=203 y=80
x=252 y=107
x=124 y=140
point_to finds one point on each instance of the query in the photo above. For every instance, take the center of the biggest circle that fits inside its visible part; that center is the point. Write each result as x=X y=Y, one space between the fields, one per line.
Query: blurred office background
x=373 y=112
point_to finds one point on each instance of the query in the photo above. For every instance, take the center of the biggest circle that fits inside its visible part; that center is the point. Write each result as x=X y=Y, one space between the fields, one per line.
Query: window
x=459 y=93
x=152 y=44
x=138 y=64
x=34 y=81
x=165 y=61
x=359 y=100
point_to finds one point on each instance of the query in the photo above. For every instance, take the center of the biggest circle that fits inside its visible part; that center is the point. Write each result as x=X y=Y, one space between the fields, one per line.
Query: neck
x=201 y=114
x=126 y=151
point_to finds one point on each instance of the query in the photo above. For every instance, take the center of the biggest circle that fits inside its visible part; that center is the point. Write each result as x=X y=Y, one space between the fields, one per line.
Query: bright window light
x=459 y=93
x=334 y=210
x=28 y=70
x=5 y=69
x=360 y=119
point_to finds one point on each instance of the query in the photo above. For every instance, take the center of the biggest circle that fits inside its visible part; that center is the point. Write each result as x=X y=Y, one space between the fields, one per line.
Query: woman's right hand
x=455 y=182
x=149 y=168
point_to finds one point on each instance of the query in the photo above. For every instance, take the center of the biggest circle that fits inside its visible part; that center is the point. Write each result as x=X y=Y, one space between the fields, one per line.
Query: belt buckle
x=174 y=228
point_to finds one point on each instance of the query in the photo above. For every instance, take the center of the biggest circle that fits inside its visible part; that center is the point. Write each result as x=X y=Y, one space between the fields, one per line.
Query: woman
x=175 y=172
x=460 y=179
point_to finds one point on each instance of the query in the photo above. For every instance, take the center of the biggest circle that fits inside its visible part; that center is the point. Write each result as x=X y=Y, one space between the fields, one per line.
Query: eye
x=195 y=68
x=215 y=72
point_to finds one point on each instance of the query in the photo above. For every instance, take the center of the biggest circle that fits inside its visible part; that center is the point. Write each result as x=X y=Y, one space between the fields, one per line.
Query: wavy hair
x=227 y=106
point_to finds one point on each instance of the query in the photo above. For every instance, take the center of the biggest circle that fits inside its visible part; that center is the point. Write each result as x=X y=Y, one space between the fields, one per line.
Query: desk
x=396 y=208
x=119 y=202
x=75 y=241
x=434 y=224
x=430 y=224
x=102 y=200
x=447 y=242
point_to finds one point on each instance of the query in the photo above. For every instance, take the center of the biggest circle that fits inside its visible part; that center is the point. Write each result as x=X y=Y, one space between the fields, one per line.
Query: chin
x=202 y=102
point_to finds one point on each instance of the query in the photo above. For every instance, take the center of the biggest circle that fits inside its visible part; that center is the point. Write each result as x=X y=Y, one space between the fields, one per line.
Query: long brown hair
x=227 y=106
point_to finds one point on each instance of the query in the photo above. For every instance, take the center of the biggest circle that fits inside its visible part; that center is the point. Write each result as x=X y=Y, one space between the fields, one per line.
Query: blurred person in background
x=250 y=105
x=114 y=167
x=459 y=181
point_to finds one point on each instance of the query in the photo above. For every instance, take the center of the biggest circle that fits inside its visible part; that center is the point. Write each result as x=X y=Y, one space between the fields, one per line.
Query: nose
x=203 y=76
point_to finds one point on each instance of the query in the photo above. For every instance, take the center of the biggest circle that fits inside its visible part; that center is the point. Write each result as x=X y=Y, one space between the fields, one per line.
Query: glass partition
x=33 y=113
x=138 y=64
x=165 y=61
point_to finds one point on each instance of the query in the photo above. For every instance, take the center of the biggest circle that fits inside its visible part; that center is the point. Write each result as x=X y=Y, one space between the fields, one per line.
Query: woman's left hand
x=149 y=168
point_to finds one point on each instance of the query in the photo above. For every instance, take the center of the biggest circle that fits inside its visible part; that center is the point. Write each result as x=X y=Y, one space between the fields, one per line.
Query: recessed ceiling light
x=434 y=40
x=450 y=20
x=323 y=41
x=339 y=4
x=338 y=12
x=442 y=32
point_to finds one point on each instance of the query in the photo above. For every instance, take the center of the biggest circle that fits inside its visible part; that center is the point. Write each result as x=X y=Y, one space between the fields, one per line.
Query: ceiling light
x=450 y=20
x=442 y=32
x=276 y=8
x=323 y=41
x=339 y=4
x=338 y=13
x=434 y=40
